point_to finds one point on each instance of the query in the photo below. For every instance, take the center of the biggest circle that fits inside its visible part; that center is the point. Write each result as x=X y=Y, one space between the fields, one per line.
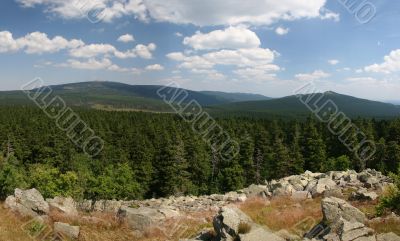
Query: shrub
x=390 y=202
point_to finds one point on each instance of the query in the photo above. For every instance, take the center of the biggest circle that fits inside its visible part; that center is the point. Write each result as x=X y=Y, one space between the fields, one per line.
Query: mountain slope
x=292 y=106
x=236 y=97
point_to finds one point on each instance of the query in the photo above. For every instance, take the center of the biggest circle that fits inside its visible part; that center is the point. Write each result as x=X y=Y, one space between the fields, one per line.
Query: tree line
x=156 y=155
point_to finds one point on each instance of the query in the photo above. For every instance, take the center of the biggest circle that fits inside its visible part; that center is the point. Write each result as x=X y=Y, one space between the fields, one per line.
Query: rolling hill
x=113 y=95
x=117 y=96
x=292 y=106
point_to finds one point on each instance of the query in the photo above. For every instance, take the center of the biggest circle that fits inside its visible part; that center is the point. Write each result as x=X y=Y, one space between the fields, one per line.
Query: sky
x=266 y=47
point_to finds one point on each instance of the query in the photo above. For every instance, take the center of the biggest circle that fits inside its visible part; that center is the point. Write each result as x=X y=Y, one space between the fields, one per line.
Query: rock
x=28 y=203
x=227 y=222
x=85 y=205
x=258 y=233
x=364 y=196
x=66 y=206
x=140 y=218
x=256 y=191
x=334 y=209
x=322 y=185
x=388 y=237
x=334 y=193
x=355 y=231
x=301 y=195
x=112 y=206
x=67 y=230
x=287 y=236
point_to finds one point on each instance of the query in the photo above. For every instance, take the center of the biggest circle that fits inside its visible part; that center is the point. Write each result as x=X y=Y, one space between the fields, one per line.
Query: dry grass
x=13 y=228
x=386 y=226
x=104 y=227
x=284 y=213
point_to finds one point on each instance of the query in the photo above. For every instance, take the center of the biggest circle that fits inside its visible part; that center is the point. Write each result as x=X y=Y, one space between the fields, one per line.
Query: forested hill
x=292 y=106
x=151 y=155
x=118 y=96
x=113 y=95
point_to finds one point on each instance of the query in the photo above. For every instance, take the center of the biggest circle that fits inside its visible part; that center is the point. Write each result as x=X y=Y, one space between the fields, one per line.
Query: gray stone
x=66 y=206
x=140 y=218
x=334 y=209
x=387 y=237
x=67 y=230
x=28 y=203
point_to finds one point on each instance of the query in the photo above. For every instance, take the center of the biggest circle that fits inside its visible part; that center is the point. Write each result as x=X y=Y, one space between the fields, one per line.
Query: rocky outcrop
x=343 y=222
x=27 y=203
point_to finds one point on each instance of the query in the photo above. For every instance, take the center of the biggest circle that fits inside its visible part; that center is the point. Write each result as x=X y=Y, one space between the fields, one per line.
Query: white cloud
x=94 y=64
x=333 y=61
x=36 y=43
x=92 y=50
x=230 y=38
x=391 y=64
x=7 y=42
x=200 y=13
x=90 y=64
x=316 y=75
x=177 y=56
x=219 y=12
x=363 y=80
x=126 y=38
x=281 y=31
x=95 y=10
x=155 y=67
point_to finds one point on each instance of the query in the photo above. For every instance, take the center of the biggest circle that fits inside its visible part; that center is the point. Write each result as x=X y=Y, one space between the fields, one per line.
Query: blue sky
x=260 y=46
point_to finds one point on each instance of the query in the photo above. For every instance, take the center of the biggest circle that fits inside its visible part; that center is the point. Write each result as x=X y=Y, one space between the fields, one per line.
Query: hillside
x=292 y=106
x=113 y=95
x=235 y=97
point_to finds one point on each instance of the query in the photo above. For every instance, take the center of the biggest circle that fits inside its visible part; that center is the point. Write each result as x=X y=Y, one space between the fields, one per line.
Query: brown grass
x=244 y=228
x=386 y=226
x=13 y=228
x=283 y=213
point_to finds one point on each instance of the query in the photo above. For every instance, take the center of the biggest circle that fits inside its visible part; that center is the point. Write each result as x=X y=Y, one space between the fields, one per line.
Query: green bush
x=390 y=202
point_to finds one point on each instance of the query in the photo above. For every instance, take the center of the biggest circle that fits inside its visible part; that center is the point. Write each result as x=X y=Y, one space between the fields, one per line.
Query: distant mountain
x=117 y=96
x=113 y=95
x=292 y=106
x=235 y=97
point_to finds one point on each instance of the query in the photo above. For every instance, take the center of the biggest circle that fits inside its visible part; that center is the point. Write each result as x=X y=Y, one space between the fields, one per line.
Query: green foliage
x=51 y=182
x=12 y=177
x=390 y=202
x=155 y=155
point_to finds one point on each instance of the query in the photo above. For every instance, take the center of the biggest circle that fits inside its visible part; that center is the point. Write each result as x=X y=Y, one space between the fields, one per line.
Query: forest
x=149 y=155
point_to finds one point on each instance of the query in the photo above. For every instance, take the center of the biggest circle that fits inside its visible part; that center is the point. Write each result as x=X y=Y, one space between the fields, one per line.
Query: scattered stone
x=67 y=230
x=66 y=206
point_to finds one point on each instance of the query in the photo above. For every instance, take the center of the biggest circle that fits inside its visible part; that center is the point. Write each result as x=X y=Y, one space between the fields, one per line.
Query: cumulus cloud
x=230 y=38
x=155 y=67
x=94 y=64
x=316 y=75
x=126 y=38
x=200 y=13
x=391 y=64
x=95 y=10
x=218 y=12
x=36 y=43
x=94 y=50
x=281 y=31
x=333 y=61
